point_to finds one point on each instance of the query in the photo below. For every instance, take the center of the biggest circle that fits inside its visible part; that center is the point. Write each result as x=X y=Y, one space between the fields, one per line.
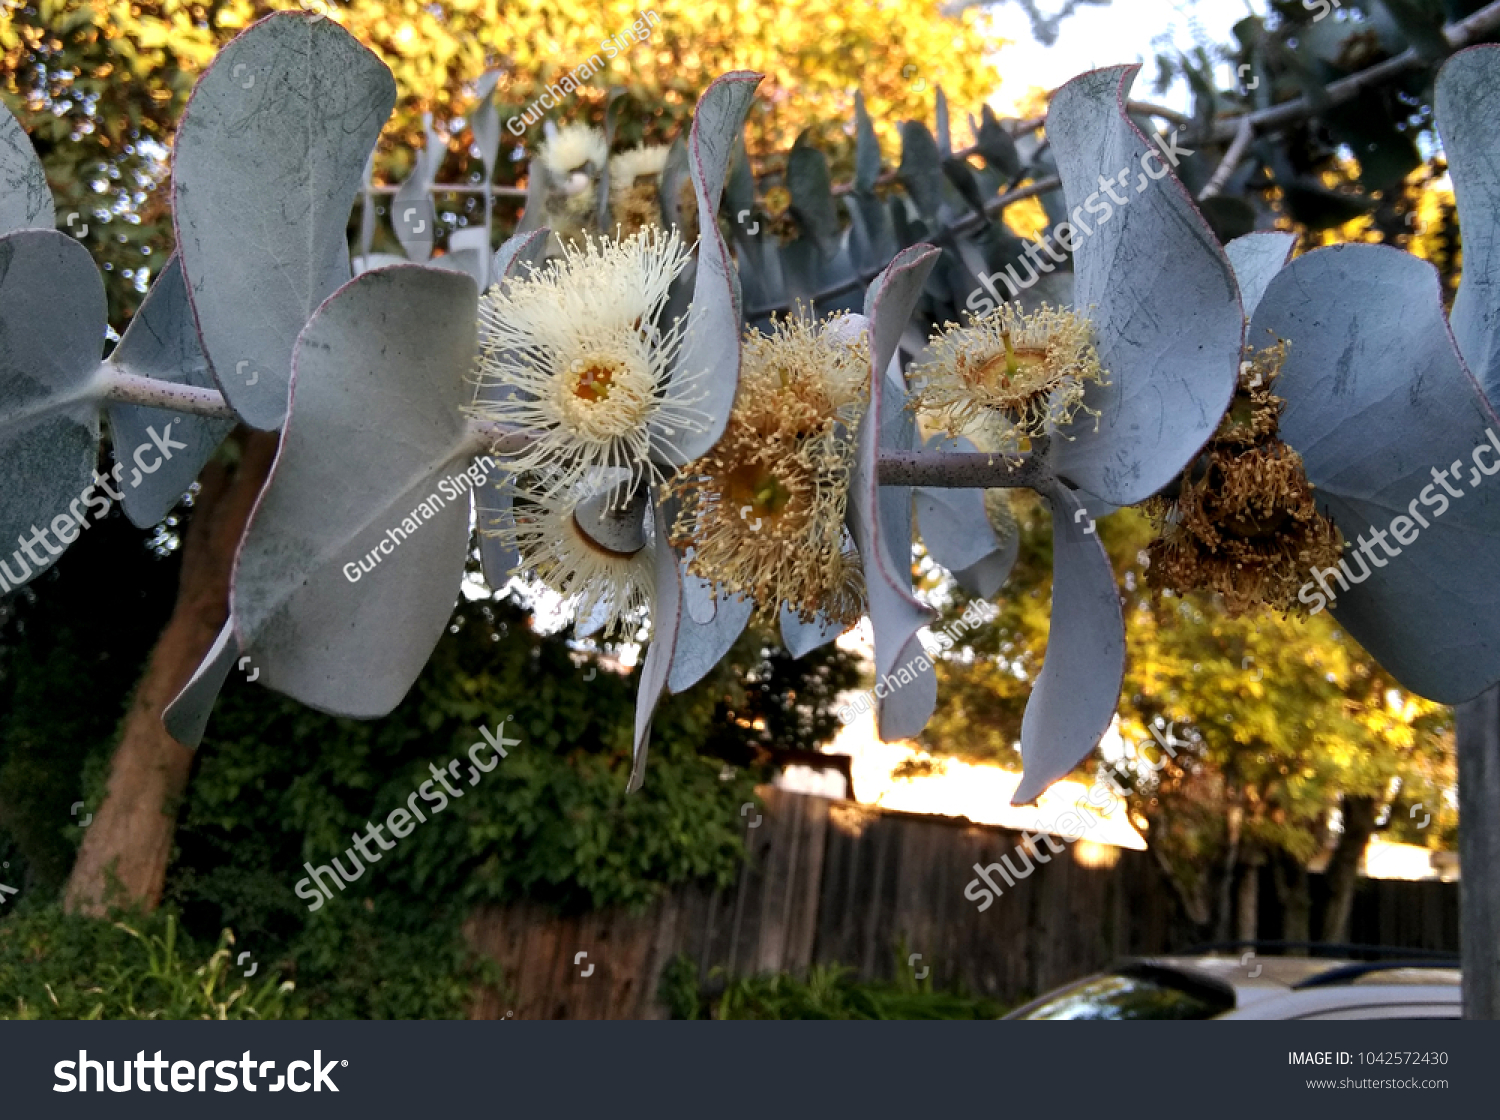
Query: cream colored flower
x=1018 y=374
x=763 y=512
x=571 y=163
x=595 y=581
x=644 y=161
x=573 y=151
x=635 y=189
x=575 y=355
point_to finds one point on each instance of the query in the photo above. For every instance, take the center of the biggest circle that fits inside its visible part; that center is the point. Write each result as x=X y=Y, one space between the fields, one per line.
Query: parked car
x=1250 y=986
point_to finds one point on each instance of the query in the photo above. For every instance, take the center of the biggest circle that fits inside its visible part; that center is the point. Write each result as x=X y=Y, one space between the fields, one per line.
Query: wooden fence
x=832 y=881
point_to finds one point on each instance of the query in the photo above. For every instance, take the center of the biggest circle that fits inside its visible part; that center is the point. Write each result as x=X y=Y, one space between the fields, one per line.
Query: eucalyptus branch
x=962 y=470
x=1230 y=161
x=946 y=470
x=1019 y=128
x=1458 y=35
x=1238 y=131
x=127 y=388
x=455 y=188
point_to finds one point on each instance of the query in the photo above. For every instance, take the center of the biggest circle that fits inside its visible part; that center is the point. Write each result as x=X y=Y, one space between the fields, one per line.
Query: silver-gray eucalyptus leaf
x=161 y=343
x=895 y=613
x=52 y=323
x=710 y=354
x=267 y=161
x=702 y=645
x=1256 y=259
x=25 y=201
x=1151 y=276
x=186 y=717
x=1077 y=691
x=1378 y=402
x=1467 y=104
x=656 y=666
x=353 y=557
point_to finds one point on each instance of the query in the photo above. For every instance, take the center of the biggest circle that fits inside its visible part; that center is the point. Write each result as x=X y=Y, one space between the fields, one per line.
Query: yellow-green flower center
x=592 y=380
x=1026 y=365
x=757 y=488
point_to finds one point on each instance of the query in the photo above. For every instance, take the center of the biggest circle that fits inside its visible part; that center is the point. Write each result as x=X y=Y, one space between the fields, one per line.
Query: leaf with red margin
x=1378 y=399
x=268 y=157
x=1159 y=290
x=709 y=360
x=895 y=613
x=381 y=376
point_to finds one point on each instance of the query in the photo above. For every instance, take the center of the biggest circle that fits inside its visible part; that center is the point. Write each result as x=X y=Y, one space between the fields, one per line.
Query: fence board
x=833 y=882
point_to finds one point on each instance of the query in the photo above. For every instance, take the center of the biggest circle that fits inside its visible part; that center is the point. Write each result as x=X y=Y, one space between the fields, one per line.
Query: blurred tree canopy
x=1282 y=727
x=100 y=84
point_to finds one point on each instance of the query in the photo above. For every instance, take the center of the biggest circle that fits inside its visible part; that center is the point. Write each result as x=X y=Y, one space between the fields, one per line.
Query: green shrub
x=60 y=966
x=829 y=992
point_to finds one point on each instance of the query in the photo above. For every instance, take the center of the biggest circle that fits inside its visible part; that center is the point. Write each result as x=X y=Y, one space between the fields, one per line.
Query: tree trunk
x=123 y=859
x=1247 y=898
x=1343 y=866
x=1478 y=727
x=1295 y=893
x=1225 y=916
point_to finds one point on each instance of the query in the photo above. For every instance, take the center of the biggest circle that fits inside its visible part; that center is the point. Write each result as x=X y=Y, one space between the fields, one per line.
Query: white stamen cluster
x=575 y=354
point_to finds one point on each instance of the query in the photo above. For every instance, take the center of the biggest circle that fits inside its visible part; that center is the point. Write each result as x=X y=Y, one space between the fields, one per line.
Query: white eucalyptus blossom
x=576 y=355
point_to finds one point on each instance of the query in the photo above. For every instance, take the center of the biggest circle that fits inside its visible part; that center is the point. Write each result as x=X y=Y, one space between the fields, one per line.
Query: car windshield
x=1127 y=996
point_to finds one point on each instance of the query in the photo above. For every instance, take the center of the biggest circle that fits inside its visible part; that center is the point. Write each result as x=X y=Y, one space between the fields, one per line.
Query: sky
x=1123 y=31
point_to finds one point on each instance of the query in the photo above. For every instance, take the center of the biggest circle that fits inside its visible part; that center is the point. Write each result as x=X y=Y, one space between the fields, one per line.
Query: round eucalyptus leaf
x=1467 y=104
x=1398 y=441
x=161 y=343
x=52 y=324
x=25 y=201
x=268 y=158
x=1149 y=272
x=352 y=561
